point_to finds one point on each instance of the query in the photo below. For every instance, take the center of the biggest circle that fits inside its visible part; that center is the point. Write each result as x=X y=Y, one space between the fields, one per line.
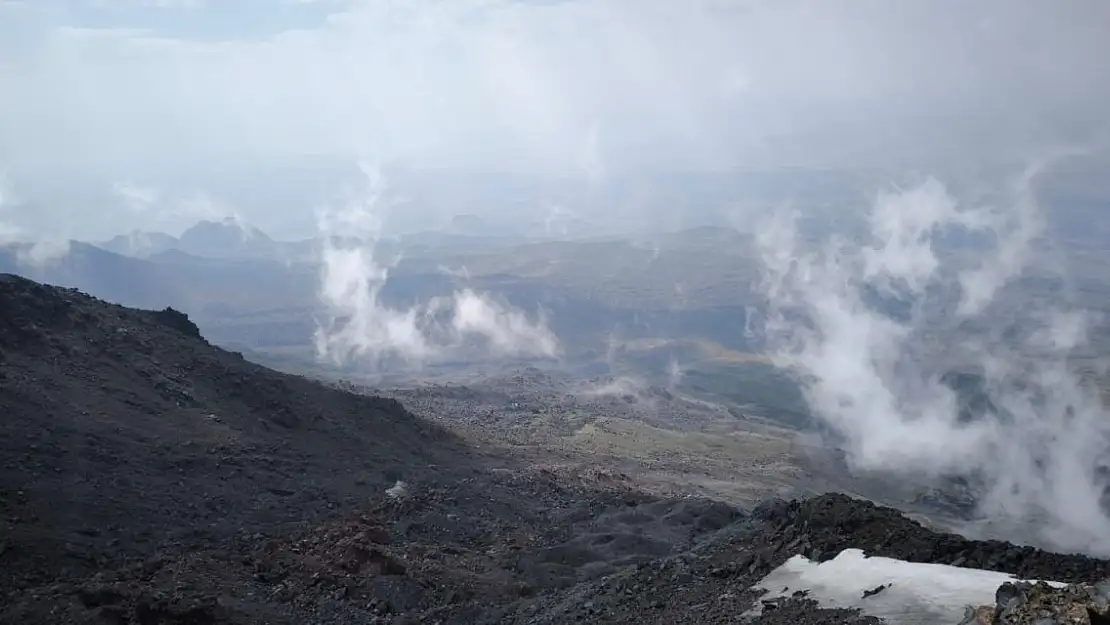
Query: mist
x=31 y=250
x=172 y=211
x=263 y=113
x=875 y=329
x=362 y=330
x=571 y=120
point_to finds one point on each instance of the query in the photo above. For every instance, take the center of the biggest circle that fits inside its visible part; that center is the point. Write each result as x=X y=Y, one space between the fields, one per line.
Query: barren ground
x=149 y=477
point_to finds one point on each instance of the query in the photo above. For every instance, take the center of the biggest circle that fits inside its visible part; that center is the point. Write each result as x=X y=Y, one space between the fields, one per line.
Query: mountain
x=139 y=244
x=124 y=431
x=147 y=477
x=200 y=286
x=133 y=281
x=227 y=239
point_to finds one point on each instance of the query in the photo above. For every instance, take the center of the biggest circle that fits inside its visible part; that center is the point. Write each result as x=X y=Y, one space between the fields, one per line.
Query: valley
x=467 y=487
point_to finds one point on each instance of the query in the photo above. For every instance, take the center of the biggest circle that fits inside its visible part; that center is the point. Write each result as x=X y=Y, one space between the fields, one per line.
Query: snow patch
x=913 y=593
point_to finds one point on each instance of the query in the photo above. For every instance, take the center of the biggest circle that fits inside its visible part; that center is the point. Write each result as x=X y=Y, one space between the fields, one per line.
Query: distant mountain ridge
x=139 y=244
x=229 y=238
x=171 y=277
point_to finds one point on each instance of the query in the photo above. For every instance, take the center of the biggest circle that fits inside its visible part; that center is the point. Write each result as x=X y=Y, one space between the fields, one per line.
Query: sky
x=188 y=98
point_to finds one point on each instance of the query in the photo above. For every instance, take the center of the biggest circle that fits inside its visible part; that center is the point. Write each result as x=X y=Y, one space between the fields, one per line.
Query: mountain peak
x=225 y=229
x=139 y=243
x=229 y=237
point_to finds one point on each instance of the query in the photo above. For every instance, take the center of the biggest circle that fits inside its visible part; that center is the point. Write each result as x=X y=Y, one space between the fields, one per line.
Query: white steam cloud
x=30 y=251
x=153 y=208
x=508 y=330
x=359 y=326
x=675 y=374
x=136 y=198
x=9 y=233
x=877 y=327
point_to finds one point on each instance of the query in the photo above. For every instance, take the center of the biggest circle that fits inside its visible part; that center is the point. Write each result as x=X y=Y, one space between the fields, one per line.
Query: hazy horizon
x=553 y=293
x=144 y=114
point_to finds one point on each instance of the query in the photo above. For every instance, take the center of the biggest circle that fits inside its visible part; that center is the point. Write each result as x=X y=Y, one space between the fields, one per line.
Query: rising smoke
x=30 y=251
x=9 y=232
x=877 y=328
x=357 y=326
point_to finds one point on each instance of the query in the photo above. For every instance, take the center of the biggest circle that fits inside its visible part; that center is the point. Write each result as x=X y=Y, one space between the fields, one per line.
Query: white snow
x=917 y=594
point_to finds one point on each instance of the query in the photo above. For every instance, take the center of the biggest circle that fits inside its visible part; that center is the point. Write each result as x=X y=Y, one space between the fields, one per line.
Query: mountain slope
x=147 y=477
x=132 y=281
x=123 y=429
x=139 y=244
x=227 y=238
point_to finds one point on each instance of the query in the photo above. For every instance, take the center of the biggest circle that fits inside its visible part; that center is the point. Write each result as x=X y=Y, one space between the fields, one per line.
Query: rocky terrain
x=667 y=442
x=149 y=477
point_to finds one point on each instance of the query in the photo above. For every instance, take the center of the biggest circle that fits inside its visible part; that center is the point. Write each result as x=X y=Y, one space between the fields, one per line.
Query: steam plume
x=359 y=326
x=30 y=251
x=877 y=327
x=9 y=233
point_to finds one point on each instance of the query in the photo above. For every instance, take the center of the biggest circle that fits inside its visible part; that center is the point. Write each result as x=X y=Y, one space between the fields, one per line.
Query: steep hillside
x=123 y=429
x=149 y=478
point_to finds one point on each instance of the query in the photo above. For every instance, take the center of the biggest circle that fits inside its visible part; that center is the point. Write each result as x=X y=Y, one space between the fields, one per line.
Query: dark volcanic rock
x=124 y=434
x=1041 y=604
x=826 y=525
x=178 y=321
x=147 y=477
x=712 y=582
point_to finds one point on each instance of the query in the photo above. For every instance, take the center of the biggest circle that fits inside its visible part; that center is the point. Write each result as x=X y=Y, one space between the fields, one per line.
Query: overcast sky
x=126 y=94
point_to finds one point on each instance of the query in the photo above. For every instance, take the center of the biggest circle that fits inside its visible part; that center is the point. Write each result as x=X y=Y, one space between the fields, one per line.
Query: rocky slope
x=149 y=477
x=124 y=431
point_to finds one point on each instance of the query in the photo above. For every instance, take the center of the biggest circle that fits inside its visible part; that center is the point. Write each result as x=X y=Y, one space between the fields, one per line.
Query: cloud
x=565 y=86
x=8 y=233
x=30 y=251
x=43 y=253
x=508 y=331
x=153 y=209
x=7 y=230
x=878 y=328
x=137 y=199
x=124 y=5
x=357 y=327
x=675 y=373
x=254 y=104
